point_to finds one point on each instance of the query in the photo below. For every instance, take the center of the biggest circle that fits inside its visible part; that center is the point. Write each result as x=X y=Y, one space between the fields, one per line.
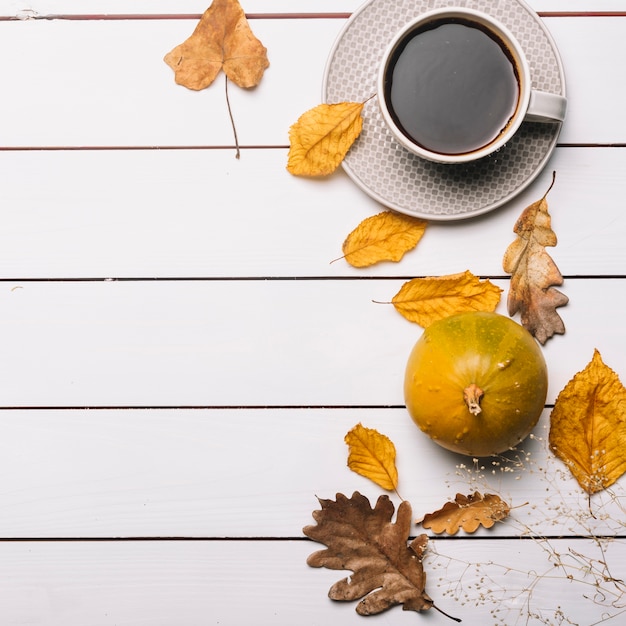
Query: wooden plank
x=234 y=583
x=243 y=343
x=111 y=96
x=201 y=214
x=41 y=8
x=256 y=473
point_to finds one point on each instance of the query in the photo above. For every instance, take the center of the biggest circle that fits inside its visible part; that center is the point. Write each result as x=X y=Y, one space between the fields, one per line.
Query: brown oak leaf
x=386 y=236
x=321 y=138
x=387 y=571
x=588 y=426
x=372 y=455
x=221 y=40
x=534 y=273
x=468 y=513
x=425 y=300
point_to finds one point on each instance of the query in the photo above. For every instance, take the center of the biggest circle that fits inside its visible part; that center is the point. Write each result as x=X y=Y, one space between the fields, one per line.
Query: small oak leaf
x=534 y=273
x=386 y=236
x=425 y=300
x=322 y=136
x=372 y=455
x=468 y=513
x=588 y=426
x=222 y=39
x=386 y=570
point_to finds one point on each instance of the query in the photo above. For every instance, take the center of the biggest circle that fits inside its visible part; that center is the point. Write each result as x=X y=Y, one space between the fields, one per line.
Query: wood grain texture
x=202 y=213
x=232 y=343
x=110 y=97
x=257 y=473
x=238 y=582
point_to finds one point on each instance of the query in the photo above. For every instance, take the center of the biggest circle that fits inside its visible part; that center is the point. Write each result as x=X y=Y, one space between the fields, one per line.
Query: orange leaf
x=372 y=455
x=221 y=40
x=588 y=426
x=322 y=136
x=468 y=513
x=533 y=273
x=382 y=237
x=425 y=300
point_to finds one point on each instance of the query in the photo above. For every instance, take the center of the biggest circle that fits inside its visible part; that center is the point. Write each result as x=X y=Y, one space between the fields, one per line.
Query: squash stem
x=472 y=395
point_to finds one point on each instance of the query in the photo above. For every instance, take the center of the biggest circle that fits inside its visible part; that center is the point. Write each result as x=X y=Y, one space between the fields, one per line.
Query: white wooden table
x=180 y=361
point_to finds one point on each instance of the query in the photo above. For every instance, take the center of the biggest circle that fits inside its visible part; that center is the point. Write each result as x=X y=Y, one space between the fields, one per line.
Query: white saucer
x=402 y=181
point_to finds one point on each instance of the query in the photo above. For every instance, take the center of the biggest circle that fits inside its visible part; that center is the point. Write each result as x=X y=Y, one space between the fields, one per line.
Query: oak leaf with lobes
x=468 y=513
x=588 y=426
x=221 y=40
x=534 y=273
x=387 y=571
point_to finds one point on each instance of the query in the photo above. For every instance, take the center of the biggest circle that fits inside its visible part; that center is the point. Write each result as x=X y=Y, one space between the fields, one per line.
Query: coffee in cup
x=454 y=85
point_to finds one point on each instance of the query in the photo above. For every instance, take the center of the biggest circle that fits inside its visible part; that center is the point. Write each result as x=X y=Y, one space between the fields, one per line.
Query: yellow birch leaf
x=382 y=237
x=468 y=513
x=425 y=300
x=372 y=455
x=322 y=136
x=588 y=426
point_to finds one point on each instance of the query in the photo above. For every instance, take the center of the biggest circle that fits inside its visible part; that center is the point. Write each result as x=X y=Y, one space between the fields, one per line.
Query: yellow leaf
x=372 y=455
x=222 y=39
x=382 y=237
x=534 y=273
x=588 y=426
x=322 y=136
x=425 y=300
x=468 y=513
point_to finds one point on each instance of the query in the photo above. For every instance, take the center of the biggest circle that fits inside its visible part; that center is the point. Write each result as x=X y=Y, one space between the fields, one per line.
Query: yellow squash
x=476 y=383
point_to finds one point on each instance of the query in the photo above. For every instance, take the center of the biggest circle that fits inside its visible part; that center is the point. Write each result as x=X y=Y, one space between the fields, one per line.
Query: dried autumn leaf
x=372 y=455
x=533 y=273
x=386 y=236
x=468 y=513
x=221 y=40
x=588 y=426
x=322 y=136
x=425 y=300
x=386 y=570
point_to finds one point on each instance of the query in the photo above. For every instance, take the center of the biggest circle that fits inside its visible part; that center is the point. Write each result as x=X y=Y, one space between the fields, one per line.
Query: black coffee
x=452 y=87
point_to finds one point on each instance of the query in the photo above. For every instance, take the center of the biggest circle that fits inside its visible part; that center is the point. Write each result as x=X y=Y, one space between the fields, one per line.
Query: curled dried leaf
x=468 y=513
x=372 y=455
x=534 y=273
x=322 y=136
x=386 y=236
x=588 y=426
x=222 y=39
x=425 y=300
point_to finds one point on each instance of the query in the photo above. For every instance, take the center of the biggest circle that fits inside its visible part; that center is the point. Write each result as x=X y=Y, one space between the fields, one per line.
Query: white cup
x=461 y=85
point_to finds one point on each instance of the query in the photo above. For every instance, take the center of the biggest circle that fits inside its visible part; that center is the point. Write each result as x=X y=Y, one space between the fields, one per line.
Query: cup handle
x=545 y=107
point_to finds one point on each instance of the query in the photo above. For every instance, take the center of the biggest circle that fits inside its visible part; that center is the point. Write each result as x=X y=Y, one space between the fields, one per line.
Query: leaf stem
x=232 y=121
x=456 y=619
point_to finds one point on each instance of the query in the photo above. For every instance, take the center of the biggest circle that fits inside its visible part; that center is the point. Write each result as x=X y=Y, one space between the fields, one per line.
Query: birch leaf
x=386 y=570
x=372 y=455
x=222 y=39
x=322 y=136
x=425 y=300
x=468 y=513
x=534 y=273
x=386 y=236
x=588 y=426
